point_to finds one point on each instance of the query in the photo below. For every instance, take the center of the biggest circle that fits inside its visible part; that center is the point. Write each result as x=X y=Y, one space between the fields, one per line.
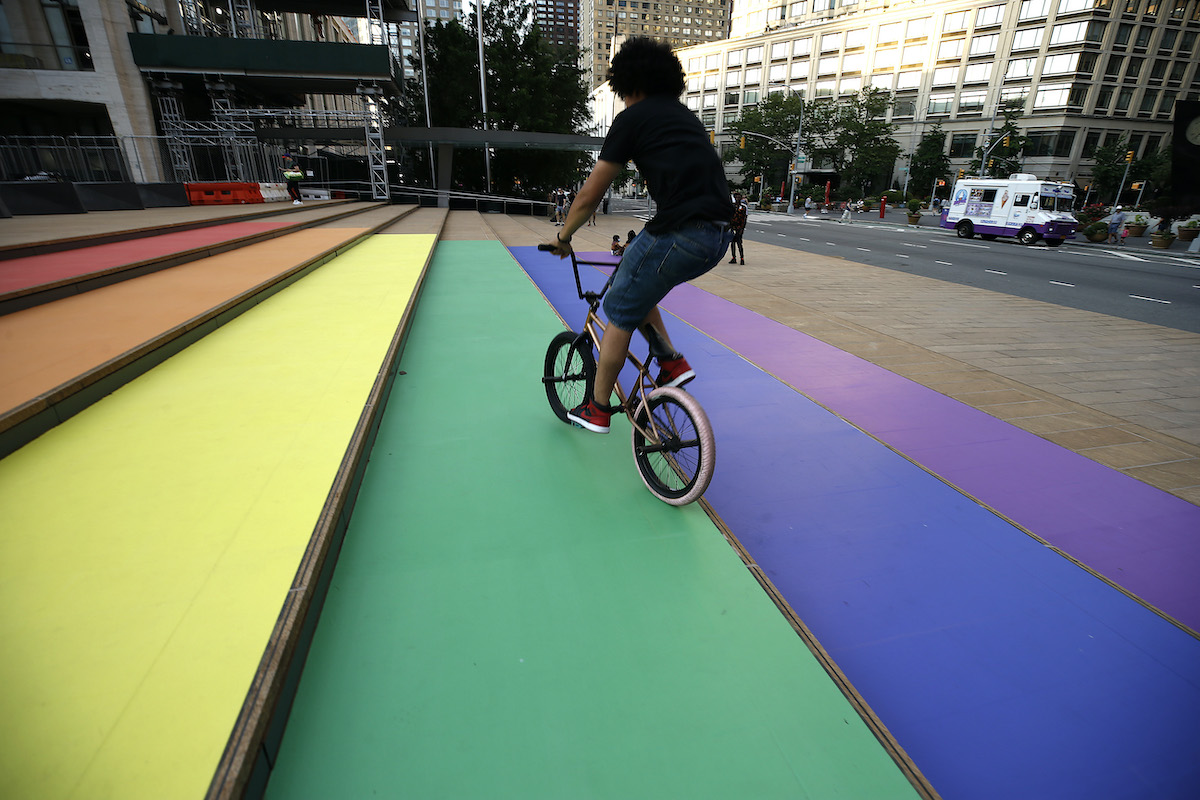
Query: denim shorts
x=653 y=264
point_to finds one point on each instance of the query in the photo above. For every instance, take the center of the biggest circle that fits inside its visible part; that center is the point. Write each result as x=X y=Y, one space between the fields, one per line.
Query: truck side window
x=989 y=195
x=1021 y=201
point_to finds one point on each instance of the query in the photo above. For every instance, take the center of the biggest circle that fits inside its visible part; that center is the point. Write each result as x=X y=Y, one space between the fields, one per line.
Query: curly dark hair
x=647 y=66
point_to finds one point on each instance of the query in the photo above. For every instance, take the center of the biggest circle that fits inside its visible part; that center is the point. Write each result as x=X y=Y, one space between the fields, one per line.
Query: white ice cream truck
x=1019 y=205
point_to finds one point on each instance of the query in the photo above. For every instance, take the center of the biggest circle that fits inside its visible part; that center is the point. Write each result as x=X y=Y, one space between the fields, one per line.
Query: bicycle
x=673 y=443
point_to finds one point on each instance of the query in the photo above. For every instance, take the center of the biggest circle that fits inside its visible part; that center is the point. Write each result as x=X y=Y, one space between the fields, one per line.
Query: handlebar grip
x=546 y=248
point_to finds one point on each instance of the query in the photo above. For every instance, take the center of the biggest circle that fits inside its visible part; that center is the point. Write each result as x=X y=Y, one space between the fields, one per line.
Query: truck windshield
x=1049 y=202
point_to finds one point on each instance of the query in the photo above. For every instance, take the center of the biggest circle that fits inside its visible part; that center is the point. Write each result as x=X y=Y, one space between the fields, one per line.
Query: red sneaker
x=591 y=417
x=674 y=372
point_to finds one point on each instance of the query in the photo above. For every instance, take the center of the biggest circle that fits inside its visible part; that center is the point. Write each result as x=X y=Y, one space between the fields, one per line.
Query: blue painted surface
x=1003 y=669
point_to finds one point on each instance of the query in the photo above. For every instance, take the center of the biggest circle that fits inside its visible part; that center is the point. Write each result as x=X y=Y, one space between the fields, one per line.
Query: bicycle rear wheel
x=570 y=372
x=677 y=454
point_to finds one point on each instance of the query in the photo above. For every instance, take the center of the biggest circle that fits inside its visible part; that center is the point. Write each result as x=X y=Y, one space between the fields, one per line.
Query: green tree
x=1109 y=169
x=929 y=162
x=777 y=117
x=853 y=137
x=532 y=85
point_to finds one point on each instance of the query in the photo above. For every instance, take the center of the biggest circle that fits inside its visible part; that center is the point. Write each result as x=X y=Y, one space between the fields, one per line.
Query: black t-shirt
x=672 y=152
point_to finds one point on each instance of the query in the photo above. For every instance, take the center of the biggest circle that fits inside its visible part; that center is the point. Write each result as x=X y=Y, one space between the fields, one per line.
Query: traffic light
x=961 y=173
x=941 y=182
x=742 y=143
x=1129 y=157
x=712 y=137
x=1006 y=140
x=991 y=161
x=1137 y=185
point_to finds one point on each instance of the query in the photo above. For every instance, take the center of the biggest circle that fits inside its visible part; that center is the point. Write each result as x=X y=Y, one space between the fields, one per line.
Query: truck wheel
x=1054 y=242
x=965 y=229
x=1027 y=236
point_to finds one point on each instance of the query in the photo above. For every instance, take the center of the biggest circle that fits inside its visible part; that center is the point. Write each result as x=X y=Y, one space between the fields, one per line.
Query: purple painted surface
x=1142 y=538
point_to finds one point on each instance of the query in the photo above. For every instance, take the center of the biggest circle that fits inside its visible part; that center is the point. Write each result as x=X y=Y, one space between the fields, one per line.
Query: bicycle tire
x=570 y=372
x=678 y=469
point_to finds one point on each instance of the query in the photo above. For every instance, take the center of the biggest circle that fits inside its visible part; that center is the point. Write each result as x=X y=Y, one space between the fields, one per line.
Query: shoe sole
x=579 y=422
x=679 y=380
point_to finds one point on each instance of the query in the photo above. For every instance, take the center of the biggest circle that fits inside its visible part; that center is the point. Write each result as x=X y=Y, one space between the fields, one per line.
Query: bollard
x=882 y=206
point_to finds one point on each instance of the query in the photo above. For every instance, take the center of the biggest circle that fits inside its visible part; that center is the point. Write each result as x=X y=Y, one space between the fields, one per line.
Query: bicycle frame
x=594 y=328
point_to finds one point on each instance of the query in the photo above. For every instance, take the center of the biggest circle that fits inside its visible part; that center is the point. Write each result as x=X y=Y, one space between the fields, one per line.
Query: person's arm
x=603 y=174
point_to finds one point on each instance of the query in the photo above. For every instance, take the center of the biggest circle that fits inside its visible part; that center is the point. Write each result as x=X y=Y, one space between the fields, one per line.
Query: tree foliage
x=532 y=85
x=929 y=162
x=853 y=137
x=778 y=116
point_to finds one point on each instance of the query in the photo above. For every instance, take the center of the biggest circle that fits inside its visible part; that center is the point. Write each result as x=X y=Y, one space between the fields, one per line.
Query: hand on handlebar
x=558 y=247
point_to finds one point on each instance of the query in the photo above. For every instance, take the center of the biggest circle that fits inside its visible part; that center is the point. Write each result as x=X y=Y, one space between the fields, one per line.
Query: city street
x=1132 y=282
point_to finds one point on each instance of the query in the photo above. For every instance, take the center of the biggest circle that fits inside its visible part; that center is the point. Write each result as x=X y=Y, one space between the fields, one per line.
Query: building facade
x=1085 y=72
x=558 y=19
x=602 y=23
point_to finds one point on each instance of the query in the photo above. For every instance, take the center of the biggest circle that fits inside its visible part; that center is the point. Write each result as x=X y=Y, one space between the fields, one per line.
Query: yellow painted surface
x=147 y=544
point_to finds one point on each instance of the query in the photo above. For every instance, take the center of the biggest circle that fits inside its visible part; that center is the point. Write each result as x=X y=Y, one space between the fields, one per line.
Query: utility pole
x=487 y=151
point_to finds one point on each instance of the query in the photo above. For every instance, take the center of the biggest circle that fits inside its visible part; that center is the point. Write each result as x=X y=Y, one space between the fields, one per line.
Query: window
x=978 y=73
x=778 y=73
x=799 y=69
x=1072 y=6
x=752 y=75
x=952 y=48
x=1020 y=68
x=955 y=21
x=1149 y=101
x=1058 y=64
x=914 y=54
x=1167 y=44
x=1113 y=69
x=983 y=45
x=1052 y=95
x=945 y=76
x=693 y=84
x=909 y=80
x=710 y=82
x=733 y=78
x=940 y=103
x=916 y=28
x=1124 y=97
x=1014 y=97
x=1027 y=39
x=824 y=89
x=971 y=102
x=1032 y=9
x=889 y=32
x=802 y=47
x=731 y=98
x=1167 y=103
x=850 y=85
x=1090 y=143
x=885 y=58
x=1104 y=98
x=1135 y=67
x=754 y=55
x=904 y=108
x=779 y=50
x=712 y=61
x=750 y=96
x=827 y=66
x=1177 y=71
x=710 y=101
x=856 y=38
x=989 y=15
x=1143 y=36
x=853 y=62
x=963 y=145
x=831 y=42
x=798 y=9
x=1159 y=70
x=1066 y=34
x=734 y=58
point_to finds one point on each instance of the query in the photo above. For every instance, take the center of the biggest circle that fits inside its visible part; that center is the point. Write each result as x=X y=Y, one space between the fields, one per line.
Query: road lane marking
x=947 y=263
x=1151 y=299
x=901 y=255
x=964 y=244
x=995 y=272
x=865 y=250
x=922 y=246
x=1119 y=254
x=1060 y=283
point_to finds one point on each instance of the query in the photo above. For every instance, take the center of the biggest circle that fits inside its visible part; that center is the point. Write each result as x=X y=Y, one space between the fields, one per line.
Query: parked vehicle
x=1019 y=205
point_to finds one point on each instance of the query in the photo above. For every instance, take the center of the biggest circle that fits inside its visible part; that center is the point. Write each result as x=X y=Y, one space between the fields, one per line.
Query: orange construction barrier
x=207 y=194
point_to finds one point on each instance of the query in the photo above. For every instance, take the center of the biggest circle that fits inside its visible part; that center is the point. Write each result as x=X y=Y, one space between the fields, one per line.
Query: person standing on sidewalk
x=808 y=206
x=1115 y=224
x=688 y=234
x=737 y=226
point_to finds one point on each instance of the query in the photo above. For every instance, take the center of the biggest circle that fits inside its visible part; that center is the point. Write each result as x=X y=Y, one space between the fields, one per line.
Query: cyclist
x=687 y=236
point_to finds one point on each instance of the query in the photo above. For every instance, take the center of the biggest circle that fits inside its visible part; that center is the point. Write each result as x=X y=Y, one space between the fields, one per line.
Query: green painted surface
x=514 y=615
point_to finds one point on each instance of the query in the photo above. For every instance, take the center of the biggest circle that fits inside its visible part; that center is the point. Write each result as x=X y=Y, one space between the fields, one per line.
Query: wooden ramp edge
x=245 y=764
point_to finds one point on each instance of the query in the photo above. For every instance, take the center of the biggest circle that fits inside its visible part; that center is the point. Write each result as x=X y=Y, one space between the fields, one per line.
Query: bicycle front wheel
x=676 y=453
x=570 y=372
